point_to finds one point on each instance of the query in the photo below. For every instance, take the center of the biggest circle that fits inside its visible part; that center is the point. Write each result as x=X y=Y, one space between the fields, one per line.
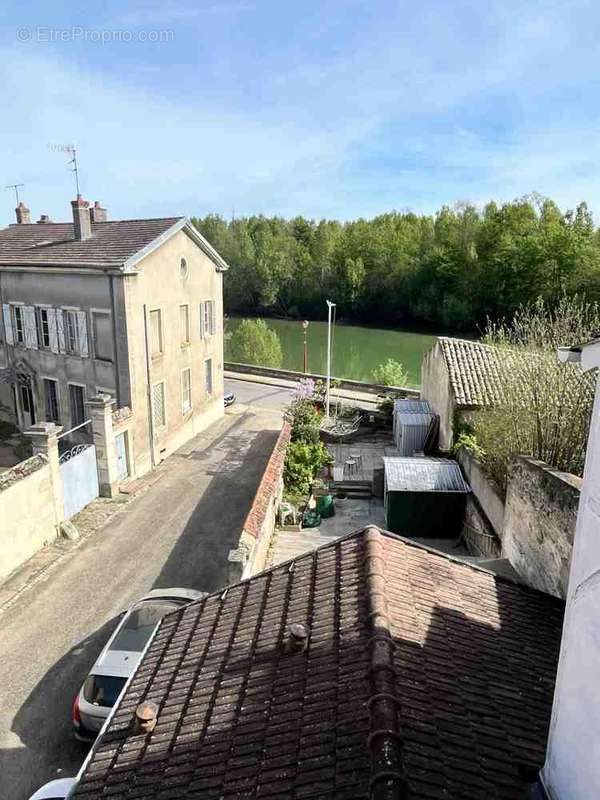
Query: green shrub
x=304 y=419
x=390 y=373
x=302 y=462
x=253 y=342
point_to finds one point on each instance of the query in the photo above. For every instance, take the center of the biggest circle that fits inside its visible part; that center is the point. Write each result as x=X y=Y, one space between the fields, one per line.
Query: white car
x=54 y=790
x=120 y=657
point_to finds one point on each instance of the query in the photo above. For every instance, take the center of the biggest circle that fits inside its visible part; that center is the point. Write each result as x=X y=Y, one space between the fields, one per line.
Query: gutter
x=149 y=388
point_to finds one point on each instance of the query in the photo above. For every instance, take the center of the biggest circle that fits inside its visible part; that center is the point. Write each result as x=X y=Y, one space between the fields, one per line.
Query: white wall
x=572 y=769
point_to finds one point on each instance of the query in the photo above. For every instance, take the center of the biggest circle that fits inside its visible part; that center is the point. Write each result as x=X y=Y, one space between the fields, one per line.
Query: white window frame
x=186 y=406
x=83 y=387
x=20 y=307
x=163 y=424
x=184 y=334
x=39 y=310
x=161 y=337
x=58 y=404
x=212 y=377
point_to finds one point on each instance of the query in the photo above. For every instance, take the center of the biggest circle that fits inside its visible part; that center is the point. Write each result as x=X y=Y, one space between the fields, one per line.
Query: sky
x=325 y=108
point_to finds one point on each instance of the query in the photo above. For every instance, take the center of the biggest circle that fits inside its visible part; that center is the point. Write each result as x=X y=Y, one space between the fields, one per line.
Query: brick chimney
x=23 y=214
x=43 y=220
x=82 y=226
x=97 y=213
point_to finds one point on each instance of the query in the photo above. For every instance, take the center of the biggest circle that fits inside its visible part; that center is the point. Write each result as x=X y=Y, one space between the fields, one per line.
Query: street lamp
x=305 y=330
x=330 y=307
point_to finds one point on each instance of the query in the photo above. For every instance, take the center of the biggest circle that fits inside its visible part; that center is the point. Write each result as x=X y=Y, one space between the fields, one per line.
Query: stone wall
x=435 y=388
x=539 y=523
x=250 y=555
x=27 y=512
x=484 y=490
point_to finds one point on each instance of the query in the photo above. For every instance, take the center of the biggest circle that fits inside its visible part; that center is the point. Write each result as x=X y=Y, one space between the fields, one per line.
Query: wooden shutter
x=212 y=317
x=202 y=320
x=82 y=334
x=8 y=330
x=60 y=330
x=30 y=327
x=52 y=329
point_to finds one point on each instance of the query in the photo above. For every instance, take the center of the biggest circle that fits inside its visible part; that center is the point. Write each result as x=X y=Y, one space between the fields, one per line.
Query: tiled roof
x=423 y=677
x=111 y=243
x=474 y=370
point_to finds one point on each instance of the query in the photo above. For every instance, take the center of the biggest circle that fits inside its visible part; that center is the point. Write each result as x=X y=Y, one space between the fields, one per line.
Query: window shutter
x=29 y=324
x=202 y=320
x=212 y=317
x=60 y=330
x=8 y=331
x=82 y=333
x=52 y=329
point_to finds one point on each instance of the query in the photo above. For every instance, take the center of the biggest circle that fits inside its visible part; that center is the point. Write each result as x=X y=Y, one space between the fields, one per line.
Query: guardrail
x=290 y=375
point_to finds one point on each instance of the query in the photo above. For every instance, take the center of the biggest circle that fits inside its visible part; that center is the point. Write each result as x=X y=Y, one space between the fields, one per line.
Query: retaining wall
x=250 y=555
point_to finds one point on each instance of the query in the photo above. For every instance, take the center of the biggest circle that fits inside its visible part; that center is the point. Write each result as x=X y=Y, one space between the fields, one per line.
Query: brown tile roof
x=474 y=370
x=421 y=674
x=111 y=243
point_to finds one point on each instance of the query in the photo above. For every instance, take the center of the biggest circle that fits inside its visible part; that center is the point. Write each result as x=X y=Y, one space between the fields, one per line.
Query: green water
x=356 y=349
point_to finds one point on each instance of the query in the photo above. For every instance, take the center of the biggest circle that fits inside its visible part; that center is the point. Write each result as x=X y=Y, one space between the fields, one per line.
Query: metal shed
x=424 y=496
x=412 y=430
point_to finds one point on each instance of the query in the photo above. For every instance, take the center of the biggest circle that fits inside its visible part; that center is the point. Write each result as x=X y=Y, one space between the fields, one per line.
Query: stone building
x=459 y=376
x=131 y=309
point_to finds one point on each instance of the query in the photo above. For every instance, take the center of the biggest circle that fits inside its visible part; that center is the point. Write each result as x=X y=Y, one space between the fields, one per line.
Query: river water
x=356 y=349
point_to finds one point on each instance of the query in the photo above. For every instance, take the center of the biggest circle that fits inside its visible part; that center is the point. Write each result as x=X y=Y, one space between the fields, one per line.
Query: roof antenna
x=16 y=187
x=71 y=150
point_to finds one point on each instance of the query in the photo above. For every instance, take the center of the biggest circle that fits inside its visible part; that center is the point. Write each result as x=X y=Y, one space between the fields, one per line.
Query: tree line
x=455 y=268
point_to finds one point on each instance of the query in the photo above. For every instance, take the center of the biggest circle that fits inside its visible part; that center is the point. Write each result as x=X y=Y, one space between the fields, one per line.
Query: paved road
x=258 y=394
x=178 y=533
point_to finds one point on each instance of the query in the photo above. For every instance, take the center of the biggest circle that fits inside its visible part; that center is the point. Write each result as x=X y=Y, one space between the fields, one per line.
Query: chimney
x=572 y=768
x=144 y=720
x=82 y=226
x=23 y=214
x=97 y=213
x=297 y=638
x=43 y=220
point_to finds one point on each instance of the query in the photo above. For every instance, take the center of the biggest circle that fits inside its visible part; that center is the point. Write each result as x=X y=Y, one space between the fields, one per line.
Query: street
x=177 y=533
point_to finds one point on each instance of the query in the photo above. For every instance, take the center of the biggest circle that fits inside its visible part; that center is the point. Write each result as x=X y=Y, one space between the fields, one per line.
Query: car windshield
x=102 y=690
x=140 y=623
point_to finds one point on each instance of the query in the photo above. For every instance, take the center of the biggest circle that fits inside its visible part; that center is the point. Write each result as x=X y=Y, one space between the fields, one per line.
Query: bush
x=253 y=342
x=304 y=419
x=390 y=373
x=545 y=406
x=302 y=462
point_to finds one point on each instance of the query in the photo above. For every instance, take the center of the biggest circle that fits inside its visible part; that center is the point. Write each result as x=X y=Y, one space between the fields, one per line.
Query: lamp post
x=330 y=306
x=305 y=331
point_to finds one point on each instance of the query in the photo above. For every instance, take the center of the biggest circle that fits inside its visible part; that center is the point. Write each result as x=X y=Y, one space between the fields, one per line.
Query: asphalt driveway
x=178 y=533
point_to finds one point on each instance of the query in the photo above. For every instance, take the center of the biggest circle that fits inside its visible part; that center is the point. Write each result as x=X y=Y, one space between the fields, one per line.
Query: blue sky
x=330 y=108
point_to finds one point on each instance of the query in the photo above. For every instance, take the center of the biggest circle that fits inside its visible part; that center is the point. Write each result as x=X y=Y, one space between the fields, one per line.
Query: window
x=72 y=339
x=183 y=269
x=72 y=332
x=43 y=327
x=51 y=400
x=184 y=320
x=76 y=400
x=156 y=342
x=103 y=690
x=102 y=332
x=158 y=405
x=207 y=318
x=208 y=381
x=186 y=391
x=19 y=325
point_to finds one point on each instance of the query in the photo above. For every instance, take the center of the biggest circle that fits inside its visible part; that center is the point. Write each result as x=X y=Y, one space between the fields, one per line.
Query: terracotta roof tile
x=54 y=243
x=474 y=370
x=423 y=677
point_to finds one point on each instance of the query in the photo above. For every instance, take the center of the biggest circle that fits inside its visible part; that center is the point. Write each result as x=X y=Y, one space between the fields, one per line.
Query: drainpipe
x=114 y=332
x=149 y=387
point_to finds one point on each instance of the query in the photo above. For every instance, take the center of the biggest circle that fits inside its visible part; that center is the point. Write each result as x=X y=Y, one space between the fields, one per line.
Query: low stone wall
x=27 y=512
x=250 y=555
x=539 y=523
x=289 y=375
x=487 y=496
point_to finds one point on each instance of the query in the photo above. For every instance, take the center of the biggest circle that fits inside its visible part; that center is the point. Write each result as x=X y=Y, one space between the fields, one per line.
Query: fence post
x=44 y=439
x=100 y=410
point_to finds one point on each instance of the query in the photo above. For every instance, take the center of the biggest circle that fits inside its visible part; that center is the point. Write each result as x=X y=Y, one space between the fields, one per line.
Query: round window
x=183 y=268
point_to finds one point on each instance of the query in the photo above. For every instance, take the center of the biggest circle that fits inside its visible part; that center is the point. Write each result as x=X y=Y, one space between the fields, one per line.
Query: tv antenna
x=70 y=150
x=16 y=187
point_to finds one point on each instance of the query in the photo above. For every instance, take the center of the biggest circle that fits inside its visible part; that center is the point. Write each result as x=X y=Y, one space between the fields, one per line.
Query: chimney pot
x=297 y=638
x=23 y=214
x=145 y=717
x=82 y=225
x=97 y=213
x=43 y=220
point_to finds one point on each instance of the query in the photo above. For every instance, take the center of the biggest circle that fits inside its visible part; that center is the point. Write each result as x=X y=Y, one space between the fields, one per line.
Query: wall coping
x=345 y=383
x=557 y=475
x=22 y=470
x=267 y=488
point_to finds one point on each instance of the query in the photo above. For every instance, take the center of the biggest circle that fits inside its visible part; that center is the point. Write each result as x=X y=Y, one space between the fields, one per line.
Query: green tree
x=253 y=342
x=391 y=373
